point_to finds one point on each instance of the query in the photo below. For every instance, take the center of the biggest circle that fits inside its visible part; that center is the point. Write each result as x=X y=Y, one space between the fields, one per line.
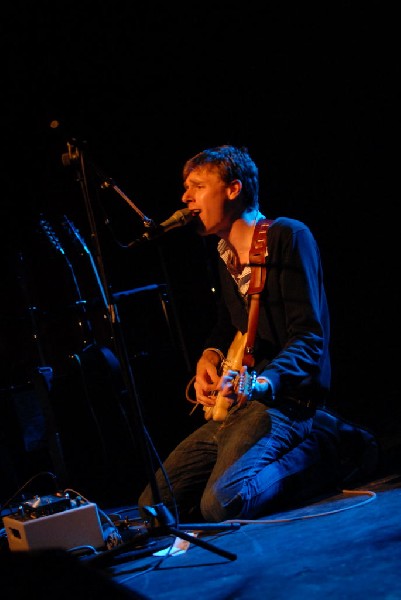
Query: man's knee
x=215 y=508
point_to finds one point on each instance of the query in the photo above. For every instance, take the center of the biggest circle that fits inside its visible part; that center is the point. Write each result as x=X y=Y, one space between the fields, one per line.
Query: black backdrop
x=310 y=92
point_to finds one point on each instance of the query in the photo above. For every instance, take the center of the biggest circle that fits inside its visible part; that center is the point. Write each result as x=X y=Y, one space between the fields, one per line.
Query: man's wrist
x=269 y=393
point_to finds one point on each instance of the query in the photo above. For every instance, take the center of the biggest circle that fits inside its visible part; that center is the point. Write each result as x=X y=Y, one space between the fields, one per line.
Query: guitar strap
x=257 y=260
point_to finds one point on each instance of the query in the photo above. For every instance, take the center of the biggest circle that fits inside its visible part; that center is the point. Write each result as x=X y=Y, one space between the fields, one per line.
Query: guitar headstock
x=51 y=234
x=71 y=229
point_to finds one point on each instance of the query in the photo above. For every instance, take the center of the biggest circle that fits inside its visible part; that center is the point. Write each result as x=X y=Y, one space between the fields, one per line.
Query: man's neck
x=241 y=233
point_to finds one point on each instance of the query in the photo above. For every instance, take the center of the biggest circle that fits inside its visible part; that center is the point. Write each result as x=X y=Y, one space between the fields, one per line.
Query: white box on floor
x=74 y=527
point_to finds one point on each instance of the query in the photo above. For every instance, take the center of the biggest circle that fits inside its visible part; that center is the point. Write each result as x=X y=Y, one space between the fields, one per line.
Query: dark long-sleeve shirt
x=292 y=342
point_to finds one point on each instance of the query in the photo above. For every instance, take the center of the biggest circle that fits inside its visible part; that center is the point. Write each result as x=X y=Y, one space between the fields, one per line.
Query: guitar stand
x=161 y=521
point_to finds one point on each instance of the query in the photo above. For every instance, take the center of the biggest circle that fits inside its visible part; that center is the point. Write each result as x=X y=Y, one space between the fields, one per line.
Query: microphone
x=178 y=219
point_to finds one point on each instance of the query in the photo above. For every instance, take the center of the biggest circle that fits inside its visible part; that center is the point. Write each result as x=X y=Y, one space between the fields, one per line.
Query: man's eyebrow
x=193 y=180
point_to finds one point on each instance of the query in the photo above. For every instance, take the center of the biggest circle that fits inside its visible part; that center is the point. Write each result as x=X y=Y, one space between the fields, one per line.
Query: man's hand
x=243 y=386
x=207 y=378
x=233 y=385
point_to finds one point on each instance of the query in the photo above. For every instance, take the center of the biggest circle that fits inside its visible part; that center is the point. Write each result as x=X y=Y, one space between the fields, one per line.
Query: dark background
x=136 y=91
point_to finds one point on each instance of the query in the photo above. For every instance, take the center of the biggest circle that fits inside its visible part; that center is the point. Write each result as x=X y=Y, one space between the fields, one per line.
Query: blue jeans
x=237 y=469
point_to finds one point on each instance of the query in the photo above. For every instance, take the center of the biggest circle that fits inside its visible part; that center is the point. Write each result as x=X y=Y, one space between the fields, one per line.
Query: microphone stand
x=162 y=522
x=150 y=226
x=108 y=182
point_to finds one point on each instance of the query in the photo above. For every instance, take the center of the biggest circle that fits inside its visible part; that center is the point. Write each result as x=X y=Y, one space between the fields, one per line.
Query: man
x=262 y=441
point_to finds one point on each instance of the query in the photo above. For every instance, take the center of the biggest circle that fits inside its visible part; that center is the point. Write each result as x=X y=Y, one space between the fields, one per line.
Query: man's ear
x=234 y=189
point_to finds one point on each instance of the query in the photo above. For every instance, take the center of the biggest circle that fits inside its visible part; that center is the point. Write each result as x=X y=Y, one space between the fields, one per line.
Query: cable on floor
x=371 y=496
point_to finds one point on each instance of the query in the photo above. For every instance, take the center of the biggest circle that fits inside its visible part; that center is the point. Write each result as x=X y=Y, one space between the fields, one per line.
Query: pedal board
x=54 y=522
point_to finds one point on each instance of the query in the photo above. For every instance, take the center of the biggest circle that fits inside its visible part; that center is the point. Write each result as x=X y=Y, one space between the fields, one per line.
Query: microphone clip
x=72 y=155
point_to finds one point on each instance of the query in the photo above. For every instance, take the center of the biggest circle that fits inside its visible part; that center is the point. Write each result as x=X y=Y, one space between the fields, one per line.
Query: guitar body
x=233 y=361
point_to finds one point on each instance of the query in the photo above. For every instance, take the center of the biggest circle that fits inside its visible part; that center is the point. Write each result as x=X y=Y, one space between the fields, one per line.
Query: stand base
x=162 y=524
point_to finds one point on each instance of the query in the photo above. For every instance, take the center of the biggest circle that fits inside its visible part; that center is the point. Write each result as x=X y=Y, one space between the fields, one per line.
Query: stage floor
x=342 y=546
x=345 y=545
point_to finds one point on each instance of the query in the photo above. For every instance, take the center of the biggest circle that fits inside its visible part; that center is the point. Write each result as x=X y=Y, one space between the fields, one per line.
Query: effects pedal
x=54 y=522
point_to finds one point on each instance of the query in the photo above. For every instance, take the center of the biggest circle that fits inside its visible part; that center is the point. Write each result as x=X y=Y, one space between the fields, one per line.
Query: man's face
x=211 y=198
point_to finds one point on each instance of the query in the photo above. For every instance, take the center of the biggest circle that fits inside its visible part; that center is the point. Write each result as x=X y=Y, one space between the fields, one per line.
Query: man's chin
x=200 y=228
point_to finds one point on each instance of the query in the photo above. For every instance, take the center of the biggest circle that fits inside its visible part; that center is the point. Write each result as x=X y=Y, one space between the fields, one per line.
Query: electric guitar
x=233 y=361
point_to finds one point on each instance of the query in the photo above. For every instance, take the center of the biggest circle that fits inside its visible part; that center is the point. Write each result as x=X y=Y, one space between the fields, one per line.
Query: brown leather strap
x=257 y=259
